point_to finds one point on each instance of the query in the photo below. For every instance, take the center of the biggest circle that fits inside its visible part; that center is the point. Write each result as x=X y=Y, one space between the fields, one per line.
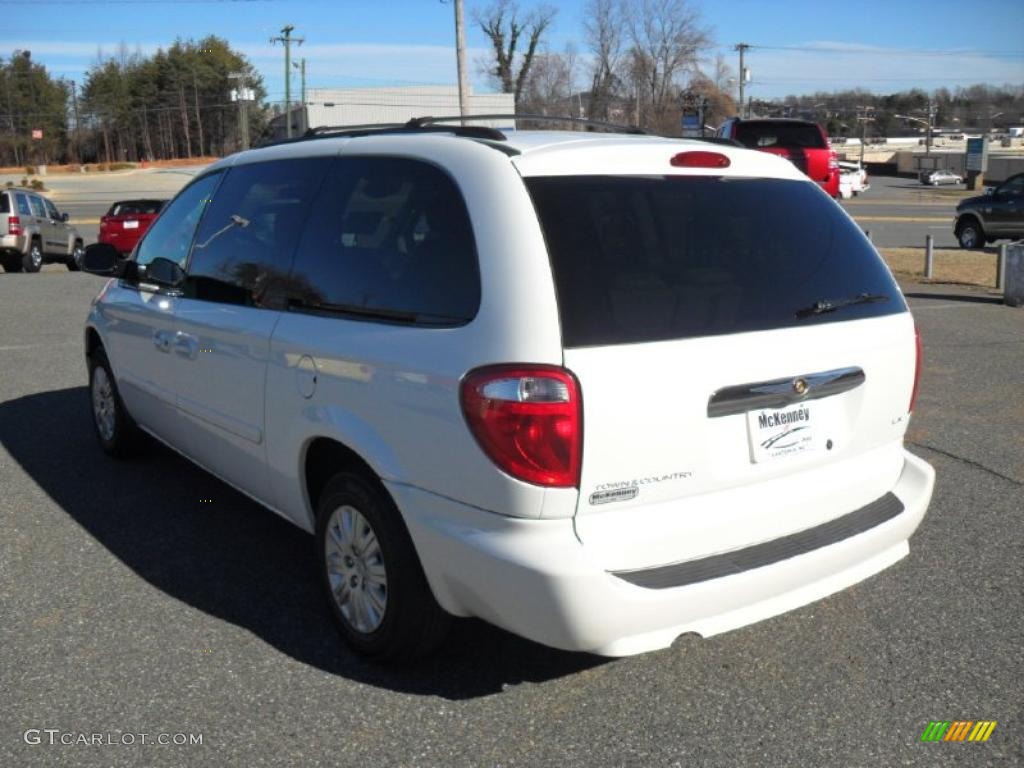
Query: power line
x=887 y=51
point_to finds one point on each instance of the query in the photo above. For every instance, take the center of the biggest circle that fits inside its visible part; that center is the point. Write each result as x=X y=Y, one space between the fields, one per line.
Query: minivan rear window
x=647 y=258
x=758 y=134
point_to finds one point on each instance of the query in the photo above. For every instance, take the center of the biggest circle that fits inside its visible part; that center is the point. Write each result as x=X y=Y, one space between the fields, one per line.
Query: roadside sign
x=977 y=154
x=37 y=133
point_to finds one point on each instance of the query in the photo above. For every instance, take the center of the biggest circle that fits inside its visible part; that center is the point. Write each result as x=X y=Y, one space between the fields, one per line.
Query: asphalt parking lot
x=130 y=604
x=899 y=212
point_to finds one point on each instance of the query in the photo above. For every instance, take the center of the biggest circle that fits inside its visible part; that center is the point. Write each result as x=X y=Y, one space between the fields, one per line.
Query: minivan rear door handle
x=778 y=393
x=162 y=340
x=186 y=345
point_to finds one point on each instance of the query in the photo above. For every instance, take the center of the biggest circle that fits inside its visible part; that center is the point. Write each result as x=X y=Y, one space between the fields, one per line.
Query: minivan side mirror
x=164 y=272
x=102 y=259
x=64 y=216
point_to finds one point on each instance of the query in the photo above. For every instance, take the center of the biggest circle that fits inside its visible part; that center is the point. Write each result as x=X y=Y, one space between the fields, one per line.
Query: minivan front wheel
x=373 y=579
x=116 y=430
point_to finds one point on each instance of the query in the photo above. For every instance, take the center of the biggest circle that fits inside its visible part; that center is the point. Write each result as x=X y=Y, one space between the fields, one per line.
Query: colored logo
x=958 y=730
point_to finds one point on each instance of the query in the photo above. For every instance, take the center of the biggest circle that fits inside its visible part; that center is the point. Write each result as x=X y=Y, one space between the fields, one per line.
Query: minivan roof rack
x=422 y=122
x=440 y=124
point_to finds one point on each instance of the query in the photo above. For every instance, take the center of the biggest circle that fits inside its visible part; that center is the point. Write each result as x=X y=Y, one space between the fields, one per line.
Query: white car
x=599 y=390
x=853 y=179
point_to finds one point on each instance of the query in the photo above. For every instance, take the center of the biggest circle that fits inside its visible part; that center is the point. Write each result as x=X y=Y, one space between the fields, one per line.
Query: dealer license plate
x=779 y=432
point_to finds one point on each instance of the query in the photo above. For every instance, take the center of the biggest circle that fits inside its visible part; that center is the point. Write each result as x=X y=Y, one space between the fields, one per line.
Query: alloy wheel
x=355 y=569
x=103 y=406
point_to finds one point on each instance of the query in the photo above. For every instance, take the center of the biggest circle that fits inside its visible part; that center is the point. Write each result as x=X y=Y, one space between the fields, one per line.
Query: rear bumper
x=534 y=578
x=13 y=244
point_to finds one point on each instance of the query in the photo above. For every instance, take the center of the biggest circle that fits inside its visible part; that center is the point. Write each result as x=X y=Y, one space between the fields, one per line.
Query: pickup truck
x=802 y=142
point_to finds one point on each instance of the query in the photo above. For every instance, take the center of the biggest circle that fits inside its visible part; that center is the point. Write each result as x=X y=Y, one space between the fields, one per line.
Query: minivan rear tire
x=413 y=624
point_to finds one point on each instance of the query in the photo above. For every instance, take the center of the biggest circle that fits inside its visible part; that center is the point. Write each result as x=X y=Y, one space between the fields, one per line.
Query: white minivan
x=598 y=389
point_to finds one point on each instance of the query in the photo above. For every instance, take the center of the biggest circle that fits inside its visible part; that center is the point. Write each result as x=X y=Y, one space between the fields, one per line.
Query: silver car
x=33 y=232
x=935 y=178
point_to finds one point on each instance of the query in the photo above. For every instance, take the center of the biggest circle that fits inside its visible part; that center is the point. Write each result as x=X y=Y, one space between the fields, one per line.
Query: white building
x=362 y=106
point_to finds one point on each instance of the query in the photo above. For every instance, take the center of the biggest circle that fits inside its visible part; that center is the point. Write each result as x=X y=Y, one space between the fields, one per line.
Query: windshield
x=135 y=207
x=640 y=259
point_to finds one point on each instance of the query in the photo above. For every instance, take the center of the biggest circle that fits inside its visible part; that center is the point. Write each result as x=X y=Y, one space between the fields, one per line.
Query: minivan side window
x=389 y=239
x=243 y=250
x=171 y=234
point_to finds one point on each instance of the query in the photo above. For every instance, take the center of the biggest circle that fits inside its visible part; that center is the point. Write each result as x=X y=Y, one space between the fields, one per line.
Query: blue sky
x=350 y=43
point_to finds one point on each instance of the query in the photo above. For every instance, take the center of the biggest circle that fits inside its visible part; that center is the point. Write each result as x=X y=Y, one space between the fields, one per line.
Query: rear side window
x=639 y=259
x=758 y=134
x=389 y=239
x=23 y=208
x=244 y=246
x=38 y=209
x=5 y=204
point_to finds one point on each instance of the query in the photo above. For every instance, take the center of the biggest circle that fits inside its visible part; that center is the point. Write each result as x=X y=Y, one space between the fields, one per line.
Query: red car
x=802 y=142
x=127 y=221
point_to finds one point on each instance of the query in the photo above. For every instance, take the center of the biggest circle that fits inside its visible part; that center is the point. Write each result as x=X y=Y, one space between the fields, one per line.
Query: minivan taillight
x=918 y=363
x=528 y=420
x=13 y=225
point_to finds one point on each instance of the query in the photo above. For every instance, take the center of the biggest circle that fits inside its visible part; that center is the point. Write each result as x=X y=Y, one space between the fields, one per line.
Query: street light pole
x=460 y=59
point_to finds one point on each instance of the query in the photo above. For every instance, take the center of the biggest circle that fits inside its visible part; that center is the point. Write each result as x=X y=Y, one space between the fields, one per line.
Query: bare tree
x=506 y=27
x=550 y=88
x=603 y=26
x=667 y=38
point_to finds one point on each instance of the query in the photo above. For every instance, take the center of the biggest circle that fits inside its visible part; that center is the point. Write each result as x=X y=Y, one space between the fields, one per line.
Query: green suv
x=999 y=213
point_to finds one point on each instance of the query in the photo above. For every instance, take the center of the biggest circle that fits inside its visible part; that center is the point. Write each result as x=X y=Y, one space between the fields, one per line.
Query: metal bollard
x=929 y=257
x=1001 y=268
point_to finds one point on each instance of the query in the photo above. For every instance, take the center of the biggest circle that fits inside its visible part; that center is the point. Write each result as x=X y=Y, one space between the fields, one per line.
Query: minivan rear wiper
x=828 y=305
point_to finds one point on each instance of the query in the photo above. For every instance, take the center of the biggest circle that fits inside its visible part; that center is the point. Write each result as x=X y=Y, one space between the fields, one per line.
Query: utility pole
x=460 y=59
x=287 y=39
x=302 y=68
x=184 y=119
x=199 y=121
x=243 y=112
x=742 y=48
x=931 y=120
x=78 y=135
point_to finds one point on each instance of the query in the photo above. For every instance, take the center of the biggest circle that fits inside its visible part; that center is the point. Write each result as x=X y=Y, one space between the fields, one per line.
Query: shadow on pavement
x=235 y=560
x=966 y=297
